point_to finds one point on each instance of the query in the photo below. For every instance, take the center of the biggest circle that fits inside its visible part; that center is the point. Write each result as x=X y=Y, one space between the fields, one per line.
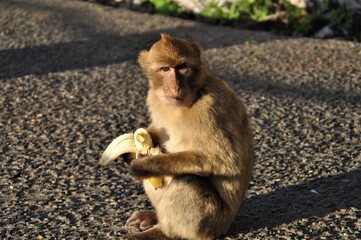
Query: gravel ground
x=69 y=84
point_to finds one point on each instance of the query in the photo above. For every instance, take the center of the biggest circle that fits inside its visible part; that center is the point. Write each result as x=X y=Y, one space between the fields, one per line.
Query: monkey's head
x=174 y=68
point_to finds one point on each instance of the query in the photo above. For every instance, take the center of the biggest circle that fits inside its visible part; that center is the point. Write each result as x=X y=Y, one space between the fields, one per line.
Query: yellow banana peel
x=119 y=146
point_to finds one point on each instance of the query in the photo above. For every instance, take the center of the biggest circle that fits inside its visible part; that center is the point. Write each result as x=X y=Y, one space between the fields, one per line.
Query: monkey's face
x=173 y=67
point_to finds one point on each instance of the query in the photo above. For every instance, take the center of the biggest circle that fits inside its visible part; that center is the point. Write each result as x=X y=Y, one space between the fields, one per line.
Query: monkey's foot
x=153 y=233
x=141 y=221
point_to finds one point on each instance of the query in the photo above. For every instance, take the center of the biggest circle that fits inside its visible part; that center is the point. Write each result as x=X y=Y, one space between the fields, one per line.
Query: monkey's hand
x=139 y=143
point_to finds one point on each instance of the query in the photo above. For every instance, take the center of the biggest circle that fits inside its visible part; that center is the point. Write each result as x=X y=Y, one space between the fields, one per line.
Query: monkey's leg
x=151 y=234
x=192 y=209
x=140 y=221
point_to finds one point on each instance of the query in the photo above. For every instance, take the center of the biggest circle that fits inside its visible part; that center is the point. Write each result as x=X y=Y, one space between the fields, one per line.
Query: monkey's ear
x=143 y=59
x=197 y=49
x=166 y=38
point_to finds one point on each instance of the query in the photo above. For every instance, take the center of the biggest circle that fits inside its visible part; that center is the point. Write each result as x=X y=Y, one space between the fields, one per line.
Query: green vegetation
x=240 y=10
x=166 y=7
x=275 y=15
x=347 y=21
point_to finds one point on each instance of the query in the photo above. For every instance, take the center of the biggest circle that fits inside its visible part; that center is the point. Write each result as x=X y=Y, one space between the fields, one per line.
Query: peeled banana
x=139 y=143
x=157 y=182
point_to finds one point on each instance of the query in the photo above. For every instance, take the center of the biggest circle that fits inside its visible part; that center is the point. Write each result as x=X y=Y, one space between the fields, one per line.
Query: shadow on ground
x=317 y=198
x=95 y=52
x=98 y=48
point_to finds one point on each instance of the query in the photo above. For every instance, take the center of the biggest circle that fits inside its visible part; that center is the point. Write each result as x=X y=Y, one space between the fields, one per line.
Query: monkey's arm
x=172 y=164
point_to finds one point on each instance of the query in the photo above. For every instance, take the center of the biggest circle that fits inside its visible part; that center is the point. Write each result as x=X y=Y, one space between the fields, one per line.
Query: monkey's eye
x=164 y=69
x=183 y=68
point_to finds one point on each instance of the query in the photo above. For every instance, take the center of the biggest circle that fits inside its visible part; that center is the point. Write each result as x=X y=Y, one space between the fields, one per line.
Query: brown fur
x=207 y=142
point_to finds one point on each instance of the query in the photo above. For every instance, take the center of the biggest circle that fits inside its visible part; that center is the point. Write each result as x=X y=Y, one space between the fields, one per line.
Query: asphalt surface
x=69 y=84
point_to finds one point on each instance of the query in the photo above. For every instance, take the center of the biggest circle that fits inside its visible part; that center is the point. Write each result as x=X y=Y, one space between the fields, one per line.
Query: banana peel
x=139 y=143
x=119 y=146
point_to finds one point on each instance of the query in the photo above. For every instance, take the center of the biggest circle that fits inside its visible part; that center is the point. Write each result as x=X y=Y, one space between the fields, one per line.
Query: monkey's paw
x=141 y=221
x=128 y=238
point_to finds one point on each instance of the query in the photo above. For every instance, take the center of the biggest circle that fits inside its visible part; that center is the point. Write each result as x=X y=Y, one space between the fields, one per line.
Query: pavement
x=70 y=83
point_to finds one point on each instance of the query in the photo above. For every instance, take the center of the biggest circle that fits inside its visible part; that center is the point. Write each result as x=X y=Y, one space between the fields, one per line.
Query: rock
x=324 y=32
x=199 y=6
x=298 y=3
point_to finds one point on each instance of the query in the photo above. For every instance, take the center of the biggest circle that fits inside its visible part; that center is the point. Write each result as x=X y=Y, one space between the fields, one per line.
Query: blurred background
x=316 y=18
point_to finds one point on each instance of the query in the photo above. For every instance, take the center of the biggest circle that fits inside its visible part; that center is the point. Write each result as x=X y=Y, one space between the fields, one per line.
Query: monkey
x=204 y=132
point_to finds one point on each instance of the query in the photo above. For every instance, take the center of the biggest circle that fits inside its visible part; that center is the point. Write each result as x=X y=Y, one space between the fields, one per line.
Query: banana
x=120 y=145
x=139 y=143
x=157 y=182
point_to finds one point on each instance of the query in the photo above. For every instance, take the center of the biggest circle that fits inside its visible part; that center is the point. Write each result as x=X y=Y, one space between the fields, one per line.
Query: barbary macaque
x=204 y=133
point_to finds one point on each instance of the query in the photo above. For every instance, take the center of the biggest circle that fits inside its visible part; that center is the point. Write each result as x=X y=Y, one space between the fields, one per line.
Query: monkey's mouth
x=175 y=101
